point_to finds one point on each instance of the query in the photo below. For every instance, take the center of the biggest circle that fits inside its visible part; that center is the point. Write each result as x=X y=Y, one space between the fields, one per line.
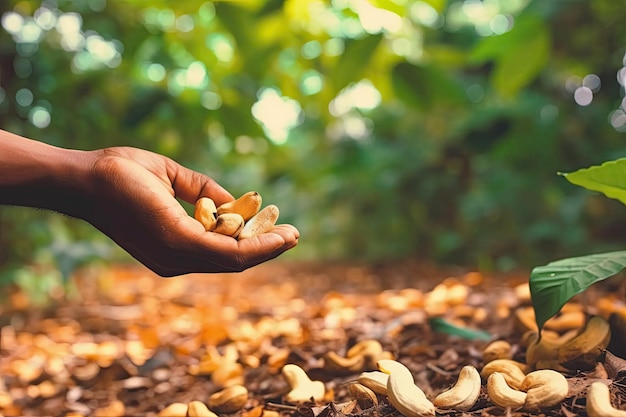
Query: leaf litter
x=130 y=343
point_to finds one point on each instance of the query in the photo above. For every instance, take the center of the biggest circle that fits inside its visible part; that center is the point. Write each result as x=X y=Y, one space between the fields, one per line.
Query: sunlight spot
x=69 y=23
x=549 y=112
x=211 y=100
x=39 y=117
x=311 y=83
x=184 y=23
x=221 y=47
x=277 y=114
x=621 y=77
x=501 y=24
x=475 y=93
x=362 y=95
x=12 y=22
x=207 y=11
x=166 y=19
x=45 y=18
x=374 y=19
x=583 y=96
x=593 y=82
x=617 y=119
x=30 y=33
x=24 y=97
x=311 y=49
x=100 y=49
x=155 y=72
x=245 y=144
x=334 y=47
x=424 y=14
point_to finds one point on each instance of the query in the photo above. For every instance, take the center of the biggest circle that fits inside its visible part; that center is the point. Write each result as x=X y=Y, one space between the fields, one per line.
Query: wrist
x=36 y=174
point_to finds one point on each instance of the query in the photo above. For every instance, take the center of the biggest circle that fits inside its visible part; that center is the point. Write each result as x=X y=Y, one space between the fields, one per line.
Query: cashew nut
x=599 y=402
x=262 y=222
x=199 y=409
x=375 y=380
x=545 y=389
x=363 y=355
x=206 y=213
x=229 y=400
x=337 y=363
x=174 y=410
x=302 y=388
x=365 y=397
x=582 y=351
x=540 y=349
x=229 y=224
x=247 y=205
x=498 y=349
x=464 y=394
x=512 y=371
x=502 y=395
x=403 y=394
x=371 y=350
x=540 y=390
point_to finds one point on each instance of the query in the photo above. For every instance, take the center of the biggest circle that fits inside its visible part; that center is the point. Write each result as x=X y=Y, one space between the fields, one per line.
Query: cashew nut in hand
x=206 y=213
x=375 y=380
x=581 y=352
x=365 y=397
x=199 y=409
x=229 y=224
x=464 y=394
x=262 y=222
x=498 y=349
x=403 y=394
x=512 y=371
x=247 y=205
x=229 y=400
x=502 y=395
x=302 y=388
x=545 y=389
x=599 y=402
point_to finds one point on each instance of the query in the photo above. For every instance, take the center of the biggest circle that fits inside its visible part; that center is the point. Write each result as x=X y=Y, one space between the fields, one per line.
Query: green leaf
x=439 y=325
x=608 y=178
x=552 y=285
x=354 y=60
x=422 y=86
x=519 y=55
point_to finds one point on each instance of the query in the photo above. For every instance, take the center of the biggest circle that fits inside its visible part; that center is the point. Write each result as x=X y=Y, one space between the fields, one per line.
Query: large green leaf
x=552 y=285
x=608 y=178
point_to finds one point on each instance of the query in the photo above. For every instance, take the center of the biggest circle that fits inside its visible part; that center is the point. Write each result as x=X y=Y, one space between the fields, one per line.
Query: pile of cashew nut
x=508 y=384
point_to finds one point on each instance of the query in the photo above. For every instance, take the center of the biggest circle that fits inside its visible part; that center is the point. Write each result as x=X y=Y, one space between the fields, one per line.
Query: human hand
x=131 y=197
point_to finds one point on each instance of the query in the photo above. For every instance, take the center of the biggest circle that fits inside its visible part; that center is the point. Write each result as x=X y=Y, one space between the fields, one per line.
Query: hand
x=131 y=198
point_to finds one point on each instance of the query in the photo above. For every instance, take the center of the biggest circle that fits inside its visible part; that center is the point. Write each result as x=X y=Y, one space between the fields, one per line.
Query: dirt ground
x=124 y=342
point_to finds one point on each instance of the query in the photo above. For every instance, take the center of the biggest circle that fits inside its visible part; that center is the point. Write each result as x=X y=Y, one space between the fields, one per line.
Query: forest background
x=383 y=129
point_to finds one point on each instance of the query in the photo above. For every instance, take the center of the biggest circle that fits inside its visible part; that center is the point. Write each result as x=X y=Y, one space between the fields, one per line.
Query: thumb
x=190 y=185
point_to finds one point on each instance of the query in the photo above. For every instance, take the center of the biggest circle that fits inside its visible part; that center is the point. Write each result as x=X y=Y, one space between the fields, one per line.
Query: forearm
x=36 y=174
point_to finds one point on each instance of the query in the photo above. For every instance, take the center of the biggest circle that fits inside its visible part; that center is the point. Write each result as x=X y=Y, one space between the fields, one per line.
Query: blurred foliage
x=383 y=129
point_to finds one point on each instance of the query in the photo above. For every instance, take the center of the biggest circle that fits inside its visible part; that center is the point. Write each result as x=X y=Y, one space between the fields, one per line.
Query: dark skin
x=131 y=195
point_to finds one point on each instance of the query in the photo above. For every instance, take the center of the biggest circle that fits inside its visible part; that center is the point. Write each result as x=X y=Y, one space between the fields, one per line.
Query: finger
x=190 y=185
x=236 y=255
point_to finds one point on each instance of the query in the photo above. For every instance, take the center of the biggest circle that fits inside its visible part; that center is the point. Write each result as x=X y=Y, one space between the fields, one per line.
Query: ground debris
x=133 y=343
